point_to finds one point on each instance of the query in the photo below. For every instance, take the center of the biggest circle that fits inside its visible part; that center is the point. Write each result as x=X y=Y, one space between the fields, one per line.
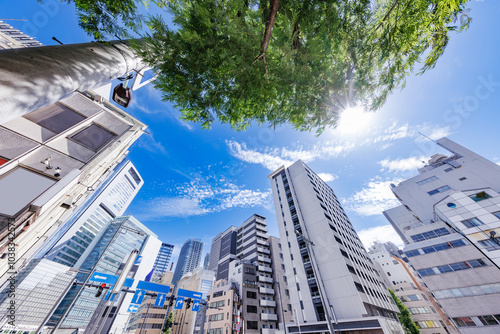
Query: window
x=438 y=190
x=252 y=294
x=217 y=304
x=490 y=244
x=252 y=325
x=464 y=322
x=359 y=287
x=216 y=317
x=430 y=235
x=250 y=271
x=93 y=137
x=135 y=176
x=215 y=331
x=448 y=170
x=217 y=294
x=472 y=222
x=480 y=196
x=430 y=179
x=462 y=179
x=287 y=292
x=251 y=309
x=56 y=117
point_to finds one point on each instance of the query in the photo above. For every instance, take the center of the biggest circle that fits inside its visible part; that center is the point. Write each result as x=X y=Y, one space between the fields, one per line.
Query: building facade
x=162 y=261
x=223 y=251
x=11 y=38
x=223 y=309
x=56 y=156
x=410 y=289
x=333 y=284
x=449 y=221
x=189 y=258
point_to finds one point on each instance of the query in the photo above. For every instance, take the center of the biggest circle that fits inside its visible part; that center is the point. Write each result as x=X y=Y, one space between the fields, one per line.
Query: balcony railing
x=267 y=303
x=266 y=291
x=268 y=317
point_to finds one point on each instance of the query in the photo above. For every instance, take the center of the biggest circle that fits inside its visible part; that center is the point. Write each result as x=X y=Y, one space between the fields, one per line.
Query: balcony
x=262 y=242
x=263 y=250
x=263 y=259
x=268 y=317
x=262 y=235
x=267 y=303
x=266 y=291
x=268 y=330
x=264 y=269
x=265 y=279
x=262 y=228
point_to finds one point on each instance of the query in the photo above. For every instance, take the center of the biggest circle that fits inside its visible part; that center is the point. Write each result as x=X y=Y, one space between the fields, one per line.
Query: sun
x=354 y=121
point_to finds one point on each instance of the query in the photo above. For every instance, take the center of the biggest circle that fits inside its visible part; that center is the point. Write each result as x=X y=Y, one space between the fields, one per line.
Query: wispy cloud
x=383 y=233
x=327 y=177
x=148 y=142
x=403 y=165
x=270 y=160
x=373 y=199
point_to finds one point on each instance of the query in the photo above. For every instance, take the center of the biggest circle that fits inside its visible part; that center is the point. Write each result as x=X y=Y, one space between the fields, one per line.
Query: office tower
x=410 y=289
x=189 y=321
x=11 y=38
x=449 y=221
x=223 y=309
x=206 y=261
x=189 y=258
x=162 y=261
x=332 y=283
x=56 y=157
x=109 y=254
x=223 y=251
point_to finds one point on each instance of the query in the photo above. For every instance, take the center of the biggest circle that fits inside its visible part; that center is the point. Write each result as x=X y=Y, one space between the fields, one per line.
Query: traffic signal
x=188 y=303
x=99 y=290
x=171 y=300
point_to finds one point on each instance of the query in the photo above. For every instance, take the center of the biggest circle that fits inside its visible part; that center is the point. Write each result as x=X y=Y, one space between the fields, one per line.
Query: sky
x=199 y=182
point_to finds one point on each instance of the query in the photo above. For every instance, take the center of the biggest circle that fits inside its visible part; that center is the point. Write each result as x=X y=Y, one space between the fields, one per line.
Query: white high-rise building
x=332 y=282
x=449 y=219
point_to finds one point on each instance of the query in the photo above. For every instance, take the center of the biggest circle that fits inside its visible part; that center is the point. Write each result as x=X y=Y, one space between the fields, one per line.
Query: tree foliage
x=167 y=329
x=404 y=316
x=296 y=61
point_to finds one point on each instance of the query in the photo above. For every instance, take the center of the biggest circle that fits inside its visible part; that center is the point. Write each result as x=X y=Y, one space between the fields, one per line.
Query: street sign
x=143 y=285
x=189 y=294
x=132 y=308
x=196 y=305
x=108 y=293
x=238 y=324
x=138 y=297
x=109 y=279
x=179 y=303
x=160 y=300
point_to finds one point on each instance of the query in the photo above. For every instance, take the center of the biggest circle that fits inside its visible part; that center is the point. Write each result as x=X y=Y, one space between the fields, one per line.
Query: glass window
x=472 y=222
x=56 y=117
x=480 y=196
x=430 y=179
x=488 y=320
x=438 y=190
x=93 y=137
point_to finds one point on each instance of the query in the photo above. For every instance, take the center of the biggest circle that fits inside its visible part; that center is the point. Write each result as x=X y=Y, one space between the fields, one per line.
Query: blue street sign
x=196 y=305
x=189 y=294
x=128 y=282
x=104 y=278
x=138 y=297
x=143 y=285
x=132 y=308
x=179 y=303
x=160 y=300
x=108 y=293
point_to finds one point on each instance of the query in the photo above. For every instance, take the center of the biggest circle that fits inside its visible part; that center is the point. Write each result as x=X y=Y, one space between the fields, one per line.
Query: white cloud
x=149 y=143
x=327 y=177
x=403 y=165
x=269 y=160
x=381 y=234
x=373 y=199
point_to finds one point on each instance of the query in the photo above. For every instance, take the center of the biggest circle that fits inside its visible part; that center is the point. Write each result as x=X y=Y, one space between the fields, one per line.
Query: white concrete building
x=404 y=281
x=52 y=159
x=333 y=284
x=449 y=221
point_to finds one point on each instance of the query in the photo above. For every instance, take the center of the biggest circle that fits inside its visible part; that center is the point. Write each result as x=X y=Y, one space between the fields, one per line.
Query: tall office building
x=206 y=261
x=400 y=277
x=162 y=261
x=333 y=284
x=223 y=251
x=189 y=258
x=11 y=38
x=449 y=219
x=55 y=157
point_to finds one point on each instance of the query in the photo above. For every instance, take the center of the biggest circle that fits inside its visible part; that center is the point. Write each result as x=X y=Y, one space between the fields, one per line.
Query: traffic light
x=171 y=300
x=188 y=303
x=99 y=290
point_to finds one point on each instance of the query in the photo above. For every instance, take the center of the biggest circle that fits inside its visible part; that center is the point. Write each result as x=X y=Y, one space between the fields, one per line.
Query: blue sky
x=199 y=182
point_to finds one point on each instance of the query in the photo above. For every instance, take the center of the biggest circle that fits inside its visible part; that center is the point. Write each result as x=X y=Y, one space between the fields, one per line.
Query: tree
x=404 y=316
x=295 y=61
x=281 y=61
x=167 y=329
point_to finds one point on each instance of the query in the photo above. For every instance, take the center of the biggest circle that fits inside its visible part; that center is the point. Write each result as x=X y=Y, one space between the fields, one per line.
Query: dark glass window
x=56 y=117
x=93 y=137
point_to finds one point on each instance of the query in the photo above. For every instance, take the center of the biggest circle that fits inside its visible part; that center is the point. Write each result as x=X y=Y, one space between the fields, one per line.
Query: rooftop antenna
x=420 y=133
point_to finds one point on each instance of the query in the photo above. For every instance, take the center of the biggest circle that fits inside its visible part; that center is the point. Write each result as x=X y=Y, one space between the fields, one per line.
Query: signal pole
x=31 y=78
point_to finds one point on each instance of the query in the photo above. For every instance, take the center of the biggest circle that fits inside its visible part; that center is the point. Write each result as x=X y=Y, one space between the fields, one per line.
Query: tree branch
x=273 y=12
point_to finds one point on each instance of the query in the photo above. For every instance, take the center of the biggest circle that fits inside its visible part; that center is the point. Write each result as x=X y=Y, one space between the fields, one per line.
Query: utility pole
x=31 y=78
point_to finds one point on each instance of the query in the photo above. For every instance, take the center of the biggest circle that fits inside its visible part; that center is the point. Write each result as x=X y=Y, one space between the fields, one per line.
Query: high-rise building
x=116 y=242
x=400 y=277
x=189 y=258
x=332 y=282
x=162 y=261
x=56 y=157
x=11 y=38
x=223 y=251
x=449 y=221
x=206 y=261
